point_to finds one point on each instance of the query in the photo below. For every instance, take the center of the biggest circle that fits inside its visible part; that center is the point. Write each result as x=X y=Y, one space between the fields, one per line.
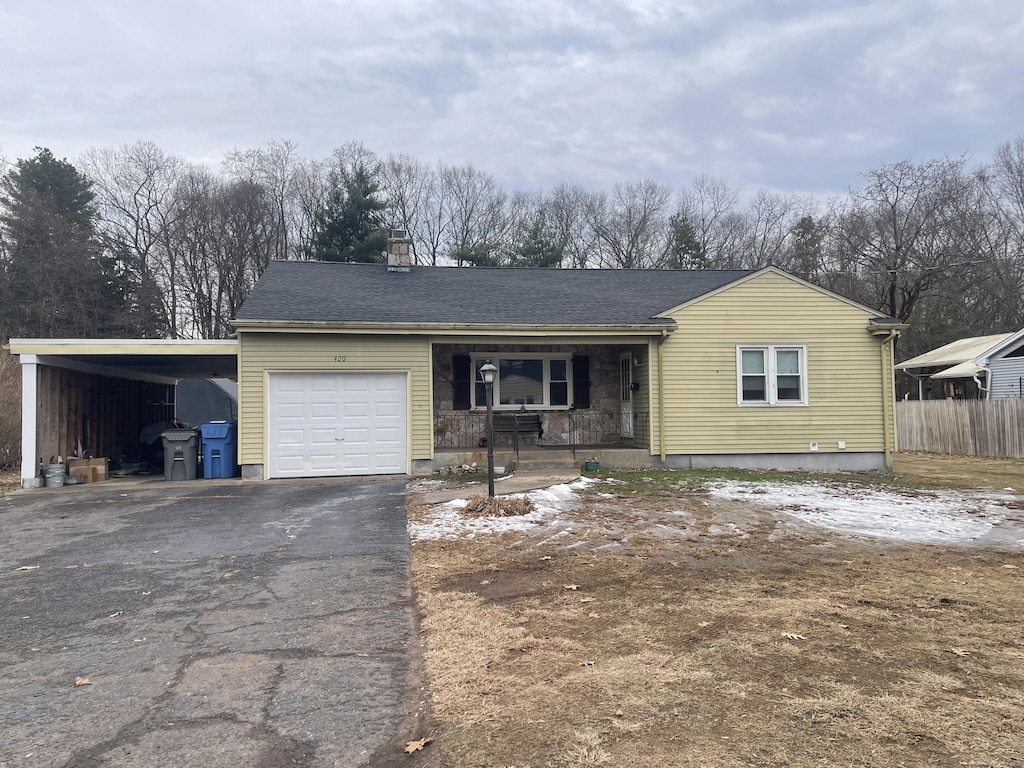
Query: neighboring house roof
x=965 y=370
x=956 y=352
x=326 y=292
x=1004 y=347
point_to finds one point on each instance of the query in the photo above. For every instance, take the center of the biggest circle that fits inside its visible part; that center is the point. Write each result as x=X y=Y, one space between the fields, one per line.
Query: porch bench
x=520 y=424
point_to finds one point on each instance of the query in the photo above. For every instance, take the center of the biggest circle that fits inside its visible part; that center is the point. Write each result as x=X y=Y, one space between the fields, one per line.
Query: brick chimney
x=399 y=258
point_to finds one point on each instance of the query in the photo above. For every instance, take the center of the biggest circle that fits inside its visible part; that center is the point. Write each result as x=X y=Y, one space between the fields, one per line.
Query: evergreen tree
x=806 y=258
x=55 y=280
x=685 y=250
x=475 y=256
x=539 y=247
x=350 y=225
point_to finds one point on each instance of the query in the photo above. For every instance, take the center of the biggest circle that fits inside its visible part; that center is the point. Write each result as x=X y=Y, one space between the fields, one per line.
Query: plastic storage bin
x=181 y=454
x=219 y=449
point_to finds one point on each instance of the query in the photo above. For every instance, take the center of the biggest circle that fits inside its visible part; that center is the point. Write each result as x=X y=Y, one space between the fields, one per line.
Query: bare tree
x=901 y=229
x=567 y=207
x=772 y=218
x=222 y=238
x=631 y=224
x=709 y=205
x=284 y=176
x=475 y=214
x=408 y=187
x=999 y=236
x=135 y=186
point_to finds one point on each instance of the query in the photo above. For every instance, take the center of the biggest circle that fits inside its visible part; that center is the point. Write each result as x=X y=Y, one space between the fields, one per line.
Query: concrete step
x=546 y=461
x=547 y=466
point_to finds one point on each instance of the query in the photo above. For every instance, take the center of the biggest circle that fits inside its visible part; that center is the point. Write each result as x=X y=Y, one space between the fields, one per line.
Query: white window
x=771 y=375
x=530 y=381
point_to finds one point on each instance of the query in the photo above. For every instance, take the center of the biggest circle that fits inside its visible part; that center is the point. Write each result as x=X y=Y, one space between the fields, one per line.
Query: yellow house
x=359 y=369
x=373 y=369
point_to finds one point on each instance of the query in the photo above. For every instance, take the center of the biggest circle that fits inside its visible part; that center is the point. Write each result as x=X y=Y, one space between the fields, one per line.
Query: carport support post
x=487 y=372
x=29 y=392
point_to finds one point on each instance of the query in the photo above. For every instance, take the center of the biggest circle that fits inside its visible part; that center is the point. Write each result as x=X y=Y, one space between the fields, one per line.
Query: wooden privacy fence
x=962 y=427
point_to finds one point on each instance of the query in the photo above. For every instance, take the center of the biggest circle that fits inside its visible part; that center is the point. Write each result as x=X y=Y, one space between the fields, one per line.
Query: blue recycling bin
x=219 y=449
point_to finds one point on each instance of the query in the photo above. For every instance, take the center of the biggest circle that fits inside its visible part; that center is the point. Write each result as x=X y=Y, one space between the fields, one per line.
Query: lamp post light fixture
x=487 y=373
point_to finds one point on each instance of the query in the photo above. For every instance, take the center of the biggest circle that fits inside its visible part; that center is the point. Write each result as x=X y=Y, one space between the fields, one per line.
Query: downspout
x=889 y=398
x=987 y=387
x=661 y=394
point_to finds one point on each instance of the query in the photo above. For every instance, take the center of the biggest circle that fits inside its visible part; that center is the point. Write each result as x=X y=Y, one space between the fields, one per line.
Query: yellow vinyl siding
x=264 y=353
x=844 y=372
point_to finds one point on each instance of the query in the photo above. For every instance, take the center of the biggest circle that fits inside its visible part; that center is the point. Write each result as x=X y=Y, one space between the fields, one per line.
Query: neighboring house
x=981 y=367
x=1005 y=363
x=352 y=368
x=349 y=369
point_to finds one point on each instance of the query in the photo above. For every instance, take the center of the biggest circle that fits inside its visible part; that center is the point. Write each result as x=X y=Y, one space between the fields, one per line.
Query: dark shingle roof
x=328 y=292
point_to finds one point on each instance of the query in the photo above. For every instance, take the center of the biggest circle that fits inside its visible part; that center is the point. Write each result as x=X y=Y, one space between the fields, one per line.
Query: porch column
x=29 y=409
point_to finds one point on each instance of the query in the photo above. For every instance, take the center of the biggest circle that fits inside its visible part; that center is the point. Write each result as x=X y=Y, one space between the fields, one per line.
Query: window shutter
x=462 y=381
x=581 y=381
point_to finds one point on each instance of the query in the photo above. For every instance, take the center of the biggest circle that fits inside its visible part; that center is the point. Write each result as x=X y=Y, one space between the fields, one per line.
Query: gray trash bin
x=181 y=454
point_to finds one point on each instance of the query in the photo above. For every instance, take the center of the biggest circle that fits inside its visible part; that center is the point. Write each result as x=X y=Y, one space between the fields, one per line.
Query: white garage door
x=328 y=424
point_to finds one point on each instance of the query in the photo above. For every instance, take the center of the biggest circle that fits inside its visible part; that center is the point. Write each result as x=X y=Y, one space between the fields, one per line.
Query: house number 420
x=339 y=358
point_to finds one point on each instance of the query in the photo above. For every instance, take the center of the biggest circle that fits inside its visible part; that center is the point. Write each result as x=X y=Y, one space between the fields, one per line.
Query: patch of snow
x=926 y=517
x=447 y=521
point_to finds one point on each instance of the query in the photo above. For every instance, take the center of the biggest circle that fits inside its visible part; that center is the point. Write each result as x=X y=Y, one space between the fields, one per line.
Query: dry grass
x=498 y=506
x=10 y=410
x=720 y=650
x=10 y=480
x=941 y=470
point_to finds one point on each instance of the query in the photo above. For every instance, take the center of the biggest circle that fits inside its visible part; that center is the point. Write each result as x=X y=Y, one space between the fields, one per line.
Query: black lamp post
x=487 y=373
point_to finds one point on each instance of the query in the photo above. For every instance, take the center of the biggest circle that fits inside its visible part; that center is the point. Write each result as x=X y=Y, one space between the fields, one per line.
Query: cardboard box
x=85 y=472
x=99 y=468
x=93 y=470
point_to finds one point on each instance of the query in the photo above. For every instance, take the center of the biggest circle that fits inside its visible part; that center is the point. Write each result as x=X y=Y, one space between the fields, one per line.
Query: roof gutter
x=886 y=326
x=531 y=329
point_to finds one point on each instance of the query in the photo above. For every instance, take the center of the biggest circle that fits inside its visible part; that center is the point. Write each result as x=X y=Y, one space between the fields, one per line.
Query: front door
x=626 y=394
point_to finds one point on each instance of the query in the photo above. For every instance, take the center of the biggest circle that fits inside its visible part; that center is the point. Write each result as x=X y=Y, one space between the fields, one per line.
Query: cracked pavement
x=218 y=623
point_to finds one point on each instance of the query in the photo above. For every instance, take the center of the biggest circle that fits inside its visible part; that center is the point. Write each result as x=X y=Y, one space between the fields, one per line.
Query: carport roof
x=136 y=358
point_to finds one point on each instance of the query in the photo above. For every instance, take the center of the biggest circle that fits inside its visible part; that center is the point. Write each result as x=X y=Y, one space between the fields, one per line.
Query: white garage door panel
x=327 y=424
x=323 y=411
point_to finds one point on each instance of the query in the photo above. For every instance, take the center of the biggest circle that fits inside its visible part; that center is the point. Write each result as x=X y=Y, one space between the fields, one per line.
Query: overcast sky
x=796 y=96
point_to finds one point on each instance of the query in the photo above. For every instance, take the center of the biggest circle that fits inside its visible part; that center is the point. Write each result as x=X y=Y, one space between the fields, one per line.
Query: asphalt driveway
x=216 y=623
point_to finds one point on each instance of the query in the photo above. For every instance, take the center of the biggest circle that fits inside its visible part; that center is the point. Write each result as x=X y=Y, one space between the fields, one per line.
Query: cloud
x=795 y=96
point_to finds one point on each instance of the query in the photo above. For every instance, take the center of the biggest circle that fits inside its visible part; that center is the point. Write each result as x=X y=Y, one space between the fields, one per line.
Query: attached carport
x=96 y=396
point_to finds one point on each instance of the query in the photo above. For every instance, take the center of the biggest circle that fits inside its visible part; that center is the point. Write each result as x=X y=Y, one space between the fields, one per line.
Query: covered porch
x=548 y=399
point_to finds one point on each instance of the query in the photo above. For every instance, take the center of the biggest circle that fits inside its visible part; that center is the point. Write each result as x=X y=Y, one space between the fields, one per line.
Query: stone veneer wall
x=597 y=424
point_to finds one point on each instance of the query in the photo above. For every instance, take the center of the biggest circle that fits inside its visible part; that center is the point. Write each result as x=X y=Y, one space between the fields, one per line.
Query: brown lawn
x=633 y=640
x=10 y=480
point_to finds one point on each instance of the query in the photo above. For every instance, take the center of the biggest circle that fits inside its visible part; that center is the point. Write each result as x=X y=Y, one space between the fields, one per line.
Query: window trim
x=477 y=359
x=772 y=376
